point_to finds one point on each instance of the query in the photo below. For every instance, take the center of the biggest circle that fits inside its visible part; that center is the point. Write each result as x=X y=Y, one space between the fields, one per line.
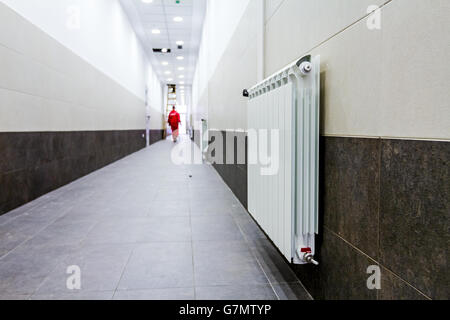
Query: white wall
x=389 y=83
x=155 y=100
x=104 y=38
x=46 y=86
x=222 y=19
x=59 y=78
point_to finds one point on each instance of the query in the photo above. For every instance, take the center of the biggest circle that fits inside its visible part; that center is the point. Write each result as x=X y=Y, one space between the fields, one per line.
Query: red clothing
x=174 y=120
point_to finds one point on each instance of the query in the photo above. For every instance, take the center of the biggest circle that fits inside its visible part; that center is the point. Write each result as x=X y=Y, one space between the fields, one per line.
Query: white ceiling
x=160 y=15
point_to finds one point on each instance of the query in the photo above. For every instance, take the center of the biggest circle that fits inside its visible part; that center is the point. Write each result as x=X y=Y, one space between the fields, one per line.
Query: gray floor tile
x=101 y=268
x=159 y=265
x=17 y=230
x=196 y=204
x=103 y=295
x=123 y=228
x=249 y=228
x=169 y=209
x=223 y=211
x=64 y=232
x=219 y=228
x=13 y=297
x=248 y=292
x=273 y=263
x=225 y=263
x=156 y=294
x=165 y=229
x=115 y=231
x=25 y=268
x=291 y=291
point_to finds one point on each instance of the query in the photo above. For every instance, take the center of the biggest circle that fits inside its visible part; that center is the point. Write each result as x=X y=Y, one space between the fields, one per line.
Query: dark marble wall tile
x=394 y=288
x=382 y=203
x=341 y=274
x=35 y=163
x=197 y=137
x=232 y=171
x=414 y=213
x=351 y=187
x=156 y=135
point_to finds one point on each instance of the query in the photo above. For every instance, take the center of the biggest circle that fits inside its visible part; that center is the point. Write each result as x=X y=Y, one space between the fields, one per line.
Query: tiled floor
x=141 y=228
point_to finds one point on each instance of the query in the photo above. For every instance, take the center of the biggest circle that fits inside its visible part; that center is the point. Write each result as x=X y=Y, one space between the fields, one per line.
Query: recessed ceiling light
x=181 y=68
x=180 y=58
x=156 y=31
x=180 y=43
x=181 y=77
x=167 y=72
x=181 y=82
x=178 y=19
x=182 y=87
x=165 y=63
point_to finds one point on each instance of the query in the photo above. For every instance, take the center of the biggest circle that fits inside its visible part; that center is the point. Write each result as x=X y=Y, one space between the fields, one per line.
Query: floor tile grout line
x=134 y=245
x=298 y=280
x=49 y=274
x=192 y=254
x=123 y=271
x=31 y=237
x=256 y=258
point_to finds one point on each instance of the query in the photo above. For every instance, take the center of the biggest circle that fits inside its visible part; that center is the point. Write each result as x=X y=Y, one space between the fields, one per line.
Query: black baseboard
x=35 y=163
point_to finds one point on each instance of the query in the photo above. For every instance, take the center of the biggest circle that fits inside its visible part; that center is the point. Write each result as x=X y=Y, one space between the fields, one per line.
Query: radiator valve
x=305 y=254
x=305 y=67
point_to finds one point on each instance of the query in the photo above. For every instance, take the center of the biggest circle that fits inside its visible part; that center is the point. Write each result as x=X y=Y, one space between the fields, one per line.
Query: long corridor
x=141 y=228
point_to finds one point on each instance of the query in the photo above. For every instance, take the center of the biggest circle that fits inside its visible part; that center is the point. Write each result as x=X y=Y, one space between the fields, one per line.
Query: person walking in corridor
x=174 y=122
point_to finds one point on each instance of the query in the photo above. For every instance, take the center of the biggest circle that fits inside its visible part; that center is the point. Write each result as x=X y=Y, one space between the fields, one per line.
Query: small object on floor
x=190 y=176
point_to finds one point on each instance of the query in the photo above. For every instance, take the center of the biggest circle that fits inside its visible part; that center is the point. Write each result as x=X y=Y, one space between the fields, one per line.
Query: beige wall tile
x=46 y=87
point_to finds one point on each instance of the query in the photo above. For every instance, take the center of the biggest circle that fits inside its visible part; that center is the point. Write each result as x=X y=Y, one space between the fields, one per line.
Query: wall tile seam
x=376 y=262
x=72 y=104
x=80 y=131
x=405 y=282
x=384 y=138
x=356 y=22
x=72 y=52
x=69 y=75
x=64 y=212
x=380 y=152
x=274 y=12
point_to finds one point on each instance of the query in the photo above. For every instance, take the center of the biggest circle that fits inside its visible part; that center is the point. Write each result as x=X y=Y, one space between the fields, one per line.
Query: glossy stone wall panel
x=371 y=191
x=35 y=163
x=414 y=213
x=233 y=173
x=351 y=187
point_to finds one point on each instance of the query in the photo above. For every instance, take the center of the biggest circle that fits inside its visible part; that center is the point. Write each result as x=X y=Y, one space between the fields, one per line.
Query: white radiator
x=284 y=201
